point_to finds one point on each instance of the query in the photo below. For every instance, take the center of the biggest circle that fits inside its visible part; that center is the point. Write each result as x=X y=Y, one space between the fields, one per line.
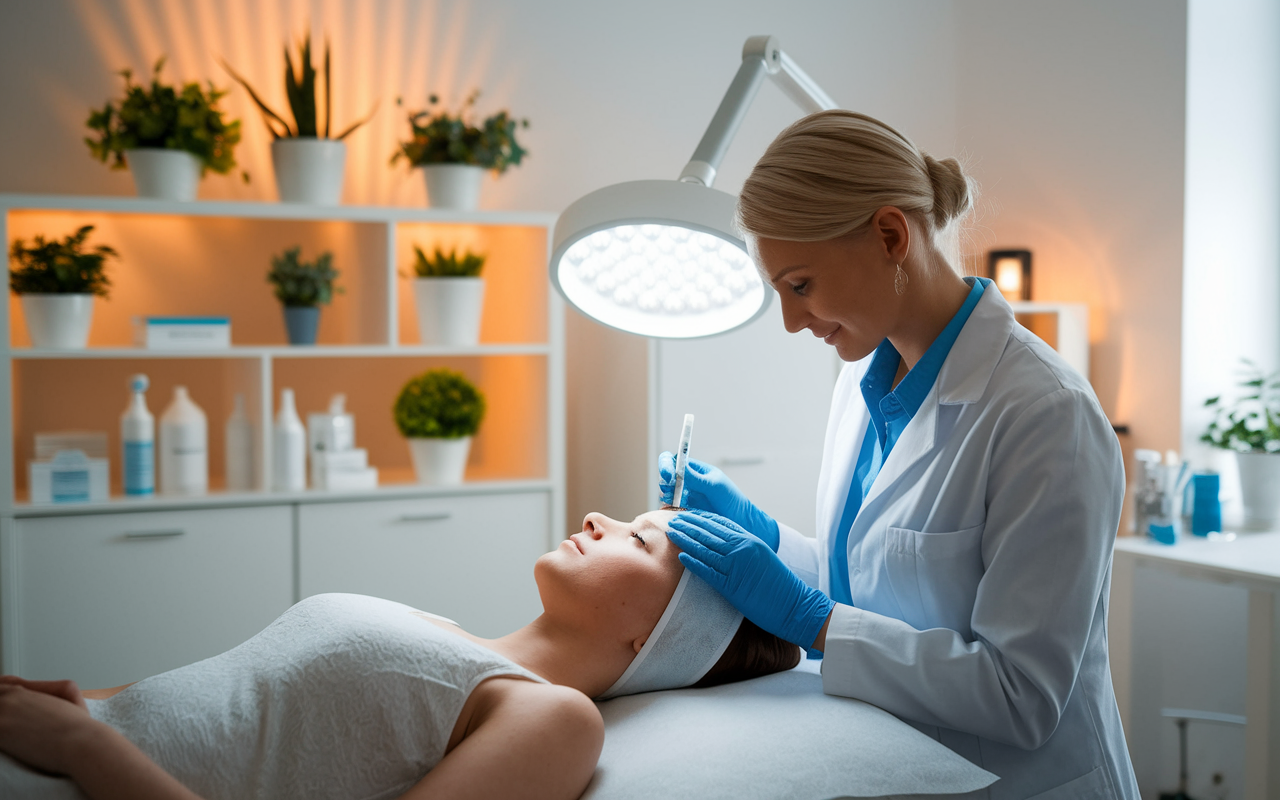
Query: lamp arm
x=761 y=55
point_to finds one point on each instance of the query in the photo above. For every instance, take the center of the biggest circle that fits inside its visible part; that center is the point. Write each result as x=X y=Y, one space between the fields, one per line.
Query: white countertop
x=1251 y=558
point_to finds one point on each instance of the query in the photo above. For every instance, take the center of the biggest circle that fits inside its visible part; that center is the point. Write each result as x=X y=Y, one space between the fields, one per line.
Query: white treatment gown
x=343 y=696
x=980 y=565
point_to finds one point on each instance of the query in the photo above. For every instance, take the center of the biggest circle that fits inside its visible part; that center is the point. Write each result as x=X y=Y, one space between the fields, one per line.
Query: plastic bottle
x=289 y=454
x=239 y=453
x=137 y=442
x=184 y=447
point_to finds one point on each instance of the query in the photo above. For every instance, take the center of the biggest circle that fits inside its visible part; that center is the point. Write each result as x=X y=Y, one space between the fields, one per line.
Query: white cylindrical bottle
x=239 y=454
x=184 y=447
x=137 y=442
x=289 y=454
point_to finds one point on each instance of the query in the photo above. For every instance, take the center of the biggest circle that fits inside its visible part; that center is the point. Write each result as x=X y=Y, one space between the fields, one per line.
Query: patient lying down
x=348 y=696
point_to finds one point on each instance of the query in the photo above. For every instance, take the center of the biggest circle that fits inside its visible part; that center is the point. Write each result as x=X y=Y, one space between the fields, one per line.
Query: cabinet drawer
x=114 y=598
x=469 y=558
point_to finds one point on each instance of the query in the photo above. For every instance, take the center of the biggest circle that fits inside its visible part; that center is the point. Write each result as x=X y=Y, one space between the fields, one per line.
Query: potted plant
x=454 y=154
x=448 y=293
x=1250 y=427
x=57 y=282
x=302 y=287
x=308 y=161
x=168 y=138
x=438 y=412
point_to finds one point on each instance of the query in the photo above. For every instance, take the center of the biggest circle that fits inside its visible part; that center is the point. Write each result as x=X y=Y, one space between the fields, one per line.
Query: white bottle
x=137 y=442
x=289 y=454
x=184 y=447
x=239 y=453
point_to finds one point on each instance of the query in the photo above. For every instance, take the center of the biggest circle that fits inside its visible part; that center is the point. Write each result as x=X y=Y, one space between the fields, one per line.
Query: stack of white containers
x=336 y=463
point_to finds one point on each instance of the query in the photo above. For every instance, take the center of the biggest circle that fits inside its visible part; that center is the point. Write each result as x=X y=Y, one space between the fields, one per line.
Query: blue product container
x=1206 y=509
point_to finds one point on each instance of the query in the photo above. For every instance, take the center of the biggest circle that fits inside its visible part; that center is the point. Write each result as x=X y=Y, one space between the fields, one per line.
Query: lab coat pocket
x=935 y=576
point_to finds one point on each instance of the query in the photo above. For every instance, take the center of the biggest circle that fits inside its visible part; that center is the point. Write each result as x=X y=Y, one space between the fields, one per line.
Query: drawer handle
x=154 y=534
x=437 y=516
x=742 y=461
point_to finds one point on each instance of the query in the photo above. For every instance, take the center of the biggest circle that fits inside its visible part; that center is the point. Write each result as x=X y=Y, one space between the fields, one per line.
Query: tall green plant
x=439 y=137
x=302 y=283
x=165 y=117
x=1252 y=423
x=450 y=265
x=52 y=267
x=300 y=89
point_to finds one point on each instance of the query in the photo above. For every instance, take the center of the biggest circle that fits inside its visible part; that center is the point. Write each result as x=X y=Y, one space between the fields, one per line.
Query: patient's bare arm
x=46 y=725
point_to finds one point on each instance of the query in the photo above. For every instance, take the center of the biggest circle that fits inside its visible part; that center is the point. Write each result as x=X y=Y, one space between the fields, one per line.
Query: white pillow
x=772 y=737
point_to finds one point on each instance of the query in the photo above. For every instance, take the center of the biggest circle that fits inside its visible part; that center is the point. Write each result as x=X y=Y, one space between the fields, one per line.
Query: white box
x=182 y=333
x=342 y=469
x=71 y=477
x=349 y=479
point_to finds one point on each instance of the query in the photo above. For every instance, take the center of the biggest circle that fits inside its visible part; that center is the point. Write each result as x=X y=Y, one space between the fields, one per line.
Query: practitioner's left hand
x=750 y=576
x=42 y=722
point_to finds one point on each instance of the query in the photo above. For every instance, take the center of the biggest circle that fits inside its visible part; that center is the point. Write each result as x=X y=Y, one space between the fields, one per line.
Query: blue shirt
x=890 y=409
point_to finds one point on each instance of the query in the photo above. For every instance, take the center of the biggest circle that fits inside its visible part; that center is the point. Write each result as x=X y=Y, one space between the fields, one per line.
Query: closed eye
x=641 y=538
x=799 y=288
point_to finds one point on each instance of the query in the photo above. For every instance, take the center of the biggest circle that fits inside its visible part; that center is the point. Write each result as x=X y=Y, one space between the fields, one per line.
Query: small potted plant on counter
x=57 y=282
x=168 y=138
x=1250 y=427
x=454 y=153
x=449 y=295
x=302 y=287
x=308 y=161
x=438 y=412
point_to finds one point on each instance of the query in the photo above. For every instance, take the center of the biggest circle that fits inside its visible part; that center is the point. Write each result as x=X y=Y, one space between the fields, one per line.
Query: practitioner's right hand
x=706 y=487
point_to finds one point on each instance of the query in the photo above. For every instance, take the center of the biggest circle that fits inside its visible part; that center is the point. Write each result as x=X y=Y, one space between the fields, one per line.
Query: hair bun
x=952 y=195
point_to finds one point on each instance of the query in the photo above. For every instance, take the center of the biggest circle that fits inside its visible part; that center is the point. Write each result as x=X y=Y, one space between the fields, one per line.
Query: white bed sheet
x=771 y=738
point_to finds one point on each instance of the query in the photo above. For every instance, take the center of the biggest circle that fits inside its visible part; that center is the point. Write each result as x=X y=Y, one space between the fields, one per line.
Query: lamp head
x=657 y=258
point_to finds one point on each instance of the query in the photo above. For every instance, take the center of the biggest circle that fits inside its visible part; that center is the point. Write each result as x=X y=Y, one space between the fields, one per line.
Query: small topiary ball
x=439 y=404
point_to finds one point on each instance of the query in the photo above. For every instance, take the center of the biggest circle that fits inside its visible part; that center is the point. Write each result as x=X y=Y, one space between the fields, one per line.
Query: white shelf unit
x=211 y=258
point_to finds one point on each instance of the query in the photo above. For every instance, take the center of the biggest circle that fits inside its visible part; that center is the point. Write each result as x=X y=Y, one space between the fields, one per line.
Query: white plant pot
x=454 y=186
x=58 y=321
x=164 y=174
x=1260 y=489
x=440 y=462
x=449 y=309
x=309 y=170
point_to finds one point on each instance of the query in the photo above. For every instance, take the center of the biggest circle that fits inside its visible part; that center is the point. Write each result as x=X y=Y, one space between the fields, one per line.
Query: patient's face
x=613 y=576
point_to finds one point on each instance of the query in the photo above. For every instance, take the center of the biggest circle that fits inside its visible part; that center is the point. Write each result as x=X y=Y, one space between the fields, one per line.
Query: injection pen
x=682 y=460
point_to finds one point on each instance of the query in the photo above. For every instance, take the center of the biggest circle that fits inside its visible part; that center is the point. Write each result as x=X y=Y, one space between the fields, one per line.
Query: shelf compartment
x=285 y=351
x=172 y=264
x=515 y=273
x=512 y=443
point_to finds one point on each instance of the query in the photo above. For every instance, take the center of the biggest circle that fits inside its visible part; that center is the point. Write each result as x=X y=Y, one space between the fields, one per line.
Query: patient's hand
x=44 y=723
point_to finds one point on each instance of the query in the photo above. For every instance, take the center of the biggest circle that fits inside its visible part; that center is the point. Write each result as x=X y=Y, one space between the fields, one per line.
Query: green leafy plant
x=163 y=116
x=439 y=137
x=447 y=265
x=60 y=267
x=439 y=404
x=302 y=283
x=1252 y=423
x=300 y=88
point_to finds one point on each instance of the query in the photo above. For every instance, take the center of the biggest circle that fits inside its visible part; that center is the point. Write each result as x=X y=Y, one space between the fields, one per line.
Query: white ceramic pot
x=309 y=170
x=440 y=462
x=449 y=309
x=164 y=174
x=453 y=186
x=58 y=321
x=1260 y=489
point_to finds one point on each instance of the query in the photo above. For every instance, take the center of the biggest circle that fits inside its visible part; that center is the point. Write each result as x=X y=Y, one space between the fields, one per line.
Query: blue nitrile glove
x=708 y=488
x=750 y=576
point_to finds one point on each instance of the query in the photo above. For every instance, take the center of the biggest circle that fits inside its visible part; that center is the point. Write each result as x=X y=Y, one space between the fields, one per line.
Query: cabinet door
x=469 y=558
x=113 y=598
x=760 y=397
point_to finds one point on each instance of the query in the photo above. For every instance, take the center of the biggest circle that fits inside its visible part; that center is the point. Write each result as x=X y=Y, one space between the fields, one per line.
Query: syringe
x=682 y=460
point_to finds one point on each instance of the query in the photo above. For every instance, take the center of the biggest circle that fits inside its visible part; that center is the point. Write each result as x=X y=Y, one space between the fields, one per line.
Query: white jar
x=184 y=447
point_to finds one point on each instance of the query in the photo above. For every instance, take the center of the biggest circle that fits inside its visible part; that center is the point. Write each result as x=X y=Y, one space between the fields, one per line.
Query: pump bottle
x=137 y=442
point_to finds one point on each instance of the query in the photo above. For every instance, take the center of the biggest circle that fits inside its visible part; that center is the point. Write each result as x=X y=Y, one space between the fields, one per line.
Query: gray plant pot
x=301 y=323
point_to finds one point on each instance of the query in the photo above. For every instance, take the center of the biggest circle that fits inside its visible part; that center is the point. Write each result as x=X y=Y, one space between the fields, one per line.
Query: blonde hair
x=828 y=173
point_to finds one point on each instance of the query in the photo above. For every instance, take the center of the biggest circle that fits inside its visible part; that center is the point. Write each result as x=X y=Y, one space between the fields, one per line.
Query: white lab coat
x=980 y=565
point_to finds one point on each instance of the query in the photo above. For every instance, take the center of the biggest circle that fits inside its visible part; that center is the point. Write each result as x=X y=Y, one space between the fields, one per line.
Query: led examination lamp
x=661 y=258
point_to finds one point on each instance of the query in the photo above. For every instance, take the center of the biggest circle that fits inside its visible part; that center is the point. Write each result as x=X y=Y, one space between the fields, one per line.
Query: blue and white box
x=70 y=477
x=183 y=333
